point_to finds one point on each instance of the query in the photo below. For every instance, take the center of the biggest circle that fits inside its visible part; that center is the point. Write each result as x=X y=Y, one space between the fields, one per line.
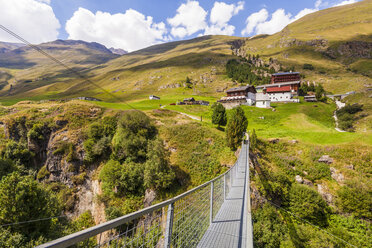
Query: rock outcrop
x=351 y=49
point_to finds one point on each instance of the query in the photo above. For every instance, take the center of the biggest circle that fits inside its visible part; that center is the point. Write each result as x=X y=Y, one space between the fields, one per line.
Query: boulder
x=150 y=196
x=350 y=167
x=274 y=140
x=325 y=159
x=339 y=177
x=322 y=190
x=308 y=182
x=299 y=179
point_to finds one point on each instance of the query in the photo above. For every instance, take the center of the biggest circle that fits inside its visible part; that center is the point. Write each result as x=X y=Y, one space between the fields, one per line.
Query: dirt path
x=191 y=116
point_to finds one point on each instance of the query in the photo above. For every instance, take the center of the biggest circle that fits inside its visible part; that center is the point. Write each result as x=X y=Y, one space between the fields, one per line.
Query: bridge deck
x=228 y=228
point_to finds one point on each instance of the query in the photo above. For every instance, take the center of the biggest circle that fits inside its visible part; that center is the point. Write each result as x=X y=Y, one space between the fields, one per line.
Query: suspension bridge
x=214 y=214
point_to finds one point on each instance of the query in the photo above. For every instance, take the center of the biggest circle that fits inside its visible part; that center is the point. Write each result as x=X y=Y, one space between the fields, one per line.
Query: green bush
x=6 y=166
x=99 y=135
x=132 y=135
x=268 y=228
x=18 y=153
x=113 y=213
x=22 y=199
x=43 y=172
x=351 y=229
x=355 y=200
x=36 y=132
x=109 y=124
x=84 y=221
x=307 y=204
x=125 y=179
x=308 y=67
x=131 y=180
x=275 y=186
x=346 y=116
x=63 y=148
x=11 y=240
x=318 y=171
x=157 y=173
x=96 y=149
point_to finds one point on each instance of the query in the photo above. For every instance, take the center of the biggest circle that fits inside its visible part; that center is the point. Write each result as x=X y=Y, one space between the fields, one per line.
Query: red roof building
x=284 y=86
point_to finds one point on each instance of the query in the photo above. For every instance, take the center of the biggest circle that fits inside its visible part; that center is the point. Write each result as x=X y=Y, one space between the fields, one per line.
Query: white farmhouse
x=245 y=95
x=262 y=100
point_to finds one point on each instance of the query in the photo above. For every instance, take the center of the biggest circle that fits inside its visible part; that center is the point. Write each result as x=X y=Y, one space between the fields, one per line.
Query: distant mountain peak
x=91 y=45
x=118 y=51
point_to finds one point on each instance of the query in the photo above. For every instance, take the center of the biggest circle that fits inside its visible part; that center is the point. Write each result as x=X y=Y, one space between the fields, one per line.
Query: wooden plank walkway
x=229 y=227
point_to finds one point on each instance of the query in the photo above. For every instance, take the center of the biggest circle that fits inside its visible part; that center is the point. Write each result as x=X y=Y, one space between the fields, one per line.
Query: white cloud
x=221 y=14
x=190 y=18
x=258 y=22
x=130 y=31
x=44 y=1
x=35 y=21
x=345 y=2
x=219 y=30
x=279 y=19
x=254 y=19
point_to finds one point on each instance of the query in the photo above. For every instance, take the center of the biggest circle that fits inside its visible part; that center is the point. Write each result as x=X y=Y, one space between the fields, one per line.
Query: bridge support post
x=224 y=187
x=169 y=226
x=211 y=205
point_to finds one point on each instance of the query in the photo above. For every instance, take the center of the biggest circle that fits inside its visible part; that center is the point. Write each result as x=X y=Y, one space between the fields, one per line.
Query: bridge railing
x=181 y=220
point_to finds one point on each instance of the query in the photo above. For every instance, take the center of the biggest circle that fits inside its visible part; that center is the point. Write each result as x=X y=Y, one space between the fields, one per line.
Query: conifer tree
x=236 y=127
x=219 y=115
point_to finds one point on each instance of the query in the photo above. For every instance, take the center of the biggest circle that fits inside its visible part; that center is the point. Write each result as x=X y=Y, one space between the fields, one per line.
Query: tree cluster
x=138 y=160
x=242 y=72
x=317 y=89
x=347 y=116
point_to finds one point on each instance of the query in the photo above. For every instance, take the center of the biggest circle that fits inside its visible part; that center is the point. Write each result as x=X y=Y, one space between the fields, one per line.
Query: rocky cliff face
x=58 y=150
x=351 y=49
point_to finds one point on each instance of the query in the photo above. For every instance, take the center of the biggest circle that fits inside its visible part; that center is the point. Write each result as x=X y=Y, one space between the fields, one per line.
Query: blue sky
x=134 y=24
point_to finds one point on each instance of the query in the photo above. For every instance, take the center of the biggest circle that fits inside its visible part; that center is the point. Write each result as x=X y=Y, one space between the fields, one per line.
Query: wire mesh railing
x=178 y=222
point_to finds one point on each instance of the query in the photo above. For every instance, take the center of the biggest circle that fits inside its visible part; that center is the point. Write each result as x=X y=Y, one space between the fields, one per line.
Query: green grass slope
x=337 y=42
x=133 y=76
x=29 y=69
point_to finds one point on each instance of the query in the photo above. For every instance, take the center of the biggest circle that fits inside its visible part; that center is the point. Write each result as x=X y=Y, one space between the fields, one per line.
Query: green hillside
x=142 y=72
x=93 y=161
x=31 y=70
x=336 y=41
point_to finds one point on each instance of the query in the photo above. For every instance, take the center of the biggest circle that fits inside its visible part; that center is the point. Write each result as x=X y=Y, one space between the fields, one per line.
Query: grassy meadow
x=310 y=123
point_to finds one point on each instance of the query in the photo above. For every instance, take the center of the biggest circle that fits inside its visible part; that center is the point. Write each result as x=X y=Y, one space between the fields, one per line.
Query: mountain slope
x=30 y=69
x=8 y=46
x=141 y=72
x=336 y=41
